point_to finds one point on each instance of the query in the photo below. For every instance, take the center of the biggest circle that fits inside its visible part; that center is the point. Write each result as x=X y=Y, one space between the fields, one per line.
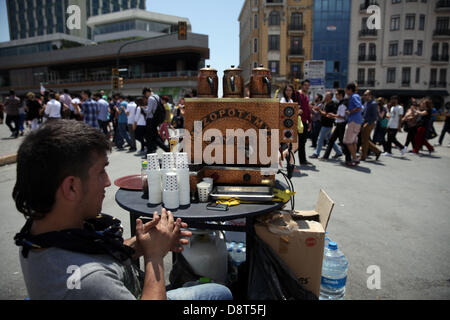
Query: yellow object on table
x=280 y=196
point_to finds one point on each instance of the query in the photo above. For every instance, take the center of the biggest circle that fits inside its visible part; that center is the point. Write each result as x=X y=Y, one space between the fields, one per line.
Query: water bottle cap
x=332 y=245
x=239 y=250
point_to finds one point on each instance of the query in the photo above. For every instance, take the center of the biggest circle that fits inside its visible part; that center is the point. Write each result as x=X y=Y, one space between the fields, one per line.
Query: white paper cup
x=154 y=186
x=203 y=191
x=171 y=200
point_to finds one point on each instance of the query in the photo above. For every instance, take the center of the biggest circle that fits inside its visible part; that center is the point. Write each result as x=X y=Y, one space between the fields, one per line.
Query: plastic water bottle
x=334 y=273
x=327 y=240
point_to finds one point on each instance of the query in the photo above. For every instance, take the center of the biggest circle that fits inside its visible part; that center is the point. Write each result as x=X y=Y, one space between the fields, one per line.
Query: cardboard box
x=299 y=242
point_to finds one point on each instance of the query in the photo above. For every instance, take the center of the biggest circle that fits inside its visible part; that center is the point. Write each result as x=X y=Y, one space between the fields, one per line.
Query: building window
x=393 y=48
x=274 y=67
x=435 y=51
x=443 y=78
x=433 y=77
x=362 y=52
x=442 y=23
x=274 y=42
x=410 y=21
x=444 y=56
x=422 y=22
x=406 y=76
x=395 y=23
x=419 y=47
x=274 y=18
x=408 y=47
x=417 y=75
x=371 y=77
x=396 y=1
x=390 y=75
x=361 y=76
x=255 y=21
x=255 y=45
x=296 y=20
x=372 y=52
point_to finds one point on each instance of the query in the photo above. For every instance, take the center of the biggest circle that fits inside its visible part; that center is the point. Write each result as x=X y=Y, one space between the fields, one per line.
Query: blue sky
x=217 y=19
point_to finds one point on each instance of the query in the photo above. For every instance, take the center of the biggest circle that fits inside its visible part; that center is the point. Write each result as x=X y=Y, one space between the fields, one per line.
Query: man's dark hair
x=394 y=98
x=305 y=81
x=12 y=93
x=351 y=87
x=88 y=93
x=98 y=95
x=58 y=149
x=341 y=92
x=146 y=90
x=66 y=91
x=52 y=95
x=130 y=99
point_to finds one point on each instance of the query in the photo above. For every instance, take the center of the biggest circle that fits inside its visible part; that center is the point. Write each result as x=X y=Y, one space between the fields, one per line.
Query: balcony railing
x=372 y=58
x=445 y=58
x=442 y=84
x=297 y=27
x=274 y=2
x=368 y=33
x=362 y=57
x=297 y=52
x=441 y=32
x=366 y=4
x=433 y=84
x=443 y=4
x=361 y=83
x=370 y=83
x=406 y=83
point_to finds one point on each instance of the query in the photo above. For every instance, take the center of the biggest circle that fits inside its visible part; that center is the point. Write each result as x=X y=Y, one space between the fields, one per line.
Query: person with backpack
x=155 y=116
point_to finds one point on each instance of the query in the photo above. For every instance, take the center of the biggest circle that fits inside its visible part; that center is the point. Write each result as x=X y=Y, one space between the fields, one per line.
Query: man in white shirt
x=53 y=108
x=394 y=126
x=131 y=114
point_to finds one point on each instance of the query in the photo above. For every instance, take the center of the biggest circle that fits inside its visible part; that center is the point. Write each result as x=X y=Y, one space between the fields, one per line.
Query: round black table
x=196 y=215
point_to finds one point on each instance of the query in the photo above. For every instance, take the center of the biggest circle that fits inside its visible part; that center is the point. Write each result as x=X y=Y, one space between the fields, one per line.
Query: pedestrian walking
x=355 y=120
x=164 y=127
x=370 y=119
x=394 y=126
x=131 y=114
x=316 y=118
x=140 y=125
x=425 y=112
x=327 y=120
x=305 y=114
x=379 y=136
x=89 y=109
x=339 y=131
x=12 y=105
x=53 y=107
x=410 y=120
x=122 y=124
x=152 y=137
x=103 y=113
x=33 y=110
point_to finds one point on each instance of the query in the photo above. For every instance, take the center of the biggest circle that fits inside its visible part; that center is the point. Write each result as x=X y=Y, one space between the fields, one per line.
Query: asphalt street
x=392 y=214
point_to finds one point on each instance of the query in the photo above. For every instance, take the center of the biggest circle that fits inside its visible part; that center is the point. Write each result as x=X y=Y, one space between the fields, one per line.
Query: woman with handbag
x=411 y=119
x=425 y=111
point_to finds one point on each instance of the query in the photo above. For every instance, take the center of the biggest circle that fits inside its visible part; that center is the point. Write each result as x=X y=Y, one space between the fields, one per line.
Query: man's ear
x=71 y=188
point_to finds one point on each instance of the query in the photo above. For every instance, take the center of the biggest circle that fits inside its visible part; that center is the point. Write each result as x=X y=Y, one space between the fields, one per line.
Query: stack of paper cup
x=170 y=192
x=181 y=160
x=154 y=179
x=182 y=169
x=203 y=191
x=168 y=161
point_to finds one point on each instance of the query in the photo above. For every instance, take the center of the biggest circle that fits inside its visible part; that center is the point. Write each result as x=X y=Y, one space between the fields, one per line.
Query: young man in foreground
x=69 y=250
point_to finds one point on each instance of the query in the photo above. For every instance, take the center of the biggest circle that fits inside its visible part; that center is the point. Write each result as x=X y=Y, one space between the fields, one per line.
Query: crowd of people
x=364 y=125
x=125 y=120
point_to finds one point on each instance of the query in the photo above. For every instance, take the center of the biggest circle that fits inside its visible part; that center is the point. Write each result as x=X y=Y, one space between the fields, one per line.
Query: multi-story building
x=276 y=34
x=133 y=23
x=331 y=37
x=409 y=55
x=168 y=65
x=32 y=18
